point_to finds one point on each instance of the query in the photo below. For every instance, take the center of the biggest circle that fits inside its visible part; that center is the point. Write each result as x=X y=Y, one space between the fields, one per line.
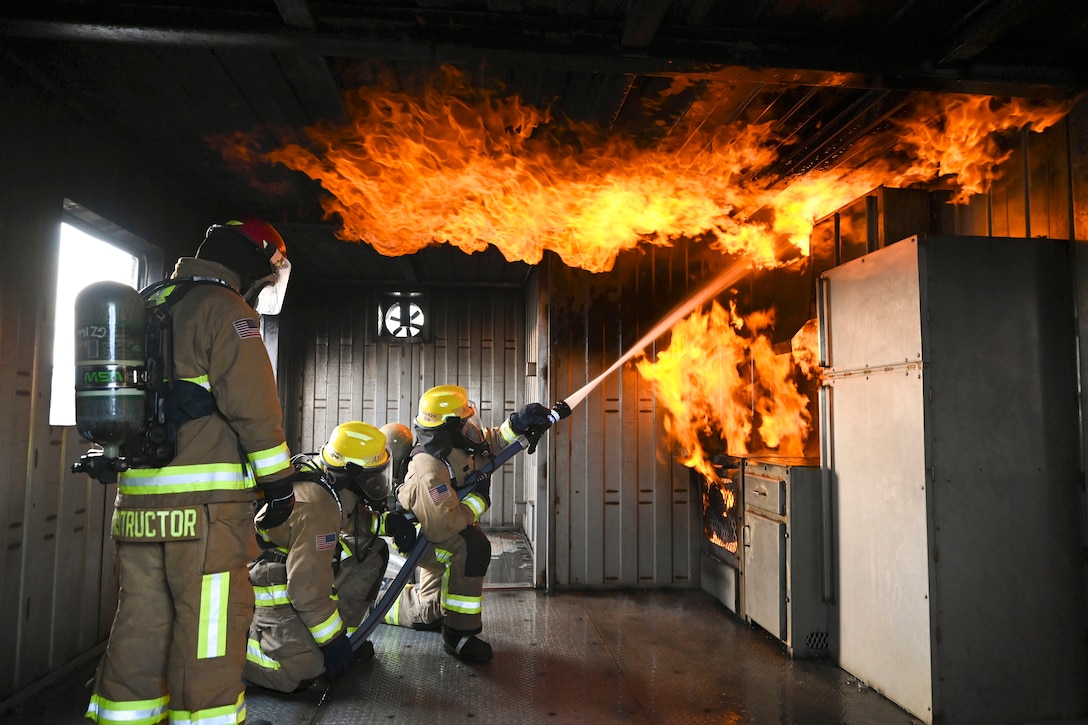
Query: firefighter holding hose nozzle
x=450 y=445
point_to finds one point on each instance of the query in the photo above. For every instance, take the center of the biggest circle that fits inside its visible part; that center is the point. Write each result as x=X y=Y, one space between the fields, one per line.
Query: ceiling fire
x=476 y=167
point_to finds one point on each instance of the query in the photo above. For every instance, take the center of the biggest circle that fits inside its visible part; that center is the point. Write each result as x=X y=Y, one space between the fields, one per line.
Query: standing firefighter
x=321 y=570
x=450 y=443
x=184 y=530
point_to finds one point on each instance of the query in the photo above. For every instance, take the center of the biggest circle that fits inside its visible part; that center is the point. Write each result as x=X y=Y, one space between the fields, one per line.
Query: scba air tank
x=110 y=359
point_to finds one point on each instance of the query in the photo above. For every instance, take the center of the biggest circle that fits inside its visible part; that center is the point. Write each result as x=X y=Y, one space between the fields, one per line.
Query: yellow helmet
x=441 y=402
x=355 y=442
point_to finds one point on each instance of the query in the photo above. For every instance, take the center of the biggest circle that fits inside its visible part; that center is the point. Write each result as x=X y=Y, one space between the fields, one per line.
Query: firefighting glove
x=279 y=500
x=533 y=417
x=402 y=531
x=339 y=656
x=531 y=421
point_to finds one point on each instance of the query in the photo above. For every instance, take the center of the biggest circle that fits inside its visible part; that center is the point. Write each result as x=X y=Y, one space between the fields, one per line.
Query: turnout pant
x=450 y=588
x=282 y=654
x=178 y=642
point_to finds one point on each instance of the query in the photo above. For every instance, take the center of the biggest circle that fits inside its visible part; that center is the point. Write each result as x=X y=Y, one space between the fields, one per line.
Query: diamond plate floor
x=643 y=658
x=570 y=658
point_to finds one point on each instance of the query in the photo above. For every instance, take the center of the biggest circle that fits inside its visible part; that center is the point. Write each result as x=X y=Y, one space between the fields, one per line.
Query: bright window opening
x=84 y=259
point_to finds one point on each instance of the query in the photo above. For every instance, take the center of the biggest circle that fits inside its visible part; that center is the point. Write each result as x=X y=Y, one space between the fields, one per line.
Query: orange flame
x=475 y=167
x=961 y=137
x=714 y=381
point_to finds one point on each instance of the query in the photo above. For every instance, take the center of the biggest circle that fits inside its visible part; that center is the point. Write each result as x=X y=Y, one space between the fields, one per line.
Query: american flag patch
x=440 y=493
x=326 y=542
x=247 y=328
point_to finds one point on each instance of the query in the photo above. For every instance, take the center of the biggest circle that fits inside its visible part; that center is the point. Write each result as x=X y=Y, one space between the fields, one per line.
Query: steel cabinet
x=782 y=555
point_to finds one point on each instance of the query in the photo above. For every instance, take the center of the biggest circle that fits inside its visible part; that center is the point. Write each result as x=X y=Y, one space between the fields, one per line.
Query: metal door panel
x=872 y=307
x=765 y=573
x=878 y=456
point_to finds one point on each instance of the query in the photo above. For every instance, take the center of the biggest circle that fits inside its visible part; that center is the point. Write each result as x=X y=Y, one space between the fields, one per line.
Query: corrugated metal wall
x=623 y=515
x=58 y=588
x=333 y=367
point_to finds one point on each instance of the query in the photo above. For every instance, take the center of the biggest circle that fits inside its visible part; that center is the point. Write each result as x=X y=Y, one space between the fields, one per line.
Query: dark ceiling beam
x=643 y=19
x=319 y=81
x=296 y=14
x=990 y=24
x=803 y=61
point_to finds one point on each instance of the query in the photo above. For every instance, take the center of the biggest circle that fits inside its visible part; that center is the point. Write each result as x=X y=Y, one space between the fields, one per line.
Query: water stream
x=726 y=278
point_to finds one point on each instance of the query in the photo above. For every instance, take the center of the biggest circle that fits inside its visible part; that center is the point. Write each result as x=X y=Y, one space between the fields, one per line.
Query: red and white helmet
x=273 y=287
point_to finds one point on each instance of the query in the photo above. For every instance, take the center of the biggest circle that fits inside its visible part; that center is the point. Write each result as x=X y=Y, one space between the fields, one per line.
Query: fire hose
x=526 y=441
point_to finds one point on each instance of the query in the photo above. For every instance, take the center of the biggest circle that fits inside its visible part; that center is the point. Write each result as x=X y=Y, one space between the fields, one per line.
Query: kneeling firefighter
x=321 y=570
x=450 y=445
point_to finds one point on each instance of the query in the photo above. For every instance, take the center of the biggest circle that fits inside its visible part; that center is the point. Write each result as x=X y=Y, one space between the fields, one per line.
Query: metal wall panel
x=334 y=368
x=622 y=504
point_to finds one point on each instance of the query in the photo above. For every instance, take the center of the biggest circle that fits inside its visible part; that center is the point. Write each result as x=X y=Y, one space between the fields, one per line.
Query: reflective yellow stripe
x=270 y=460
x=393 y=615
x=256 y=655
x=214 y=595
x=476 y=503
x=507 y=431
x=225 y=715
x=184 y=479
x=327 y=630
x=462 y=604
x=271 y=596
x=201 y=380
x=132 y=712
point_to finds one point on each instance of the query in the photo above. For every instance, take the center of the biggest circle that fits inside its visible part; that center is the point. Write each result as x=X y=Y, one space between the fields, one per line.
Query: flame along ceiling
x=646 y=90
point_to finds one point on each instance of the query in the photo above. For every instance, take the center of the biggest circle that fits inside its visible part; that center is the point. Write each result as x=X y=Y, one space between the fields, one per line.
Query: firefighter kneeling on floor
x=320 y=571
x=450 y=445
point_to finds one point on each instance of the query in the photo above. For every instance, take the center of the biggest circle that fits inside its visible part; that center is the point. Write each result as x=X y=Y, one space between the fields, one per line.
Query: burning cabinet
x=720 y=495
x=783 y=547
x=950 y=434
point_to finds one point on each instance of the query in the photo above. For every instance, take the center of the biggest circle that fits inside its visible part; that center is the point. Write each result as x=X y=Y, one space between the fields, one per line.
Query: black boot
x=465 y=646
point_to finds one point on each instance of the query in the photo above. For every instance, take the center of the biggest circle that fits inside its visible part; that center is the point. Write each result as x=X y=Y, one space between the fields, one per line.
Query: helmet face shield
x=373 y=484
x=471 y=428
x=272 y=289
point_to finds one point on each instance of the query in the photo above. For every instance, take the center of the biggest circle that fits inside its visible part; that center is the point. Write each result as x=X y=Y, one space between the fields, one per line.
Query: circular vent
x=404 y=320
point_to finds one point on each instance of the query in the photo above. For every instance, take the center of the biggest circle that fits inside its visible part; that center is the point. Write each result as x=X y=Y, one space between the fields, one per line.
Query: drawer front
x=768 y=494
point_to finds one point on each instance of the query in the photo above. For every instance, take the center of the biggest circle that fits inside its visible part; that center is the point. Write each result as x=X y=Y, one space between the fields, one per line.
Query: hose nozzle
x=559 y=411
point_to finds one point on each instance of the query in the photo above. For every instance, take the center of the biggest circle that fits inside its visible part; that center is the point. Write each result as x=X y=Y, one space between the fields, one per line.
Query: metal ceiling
x=828 y=73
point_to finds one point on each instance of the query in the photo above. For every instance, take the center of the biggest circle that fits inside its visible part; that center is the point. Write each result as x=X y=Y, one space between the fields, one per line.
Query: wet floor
x=567 y=658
